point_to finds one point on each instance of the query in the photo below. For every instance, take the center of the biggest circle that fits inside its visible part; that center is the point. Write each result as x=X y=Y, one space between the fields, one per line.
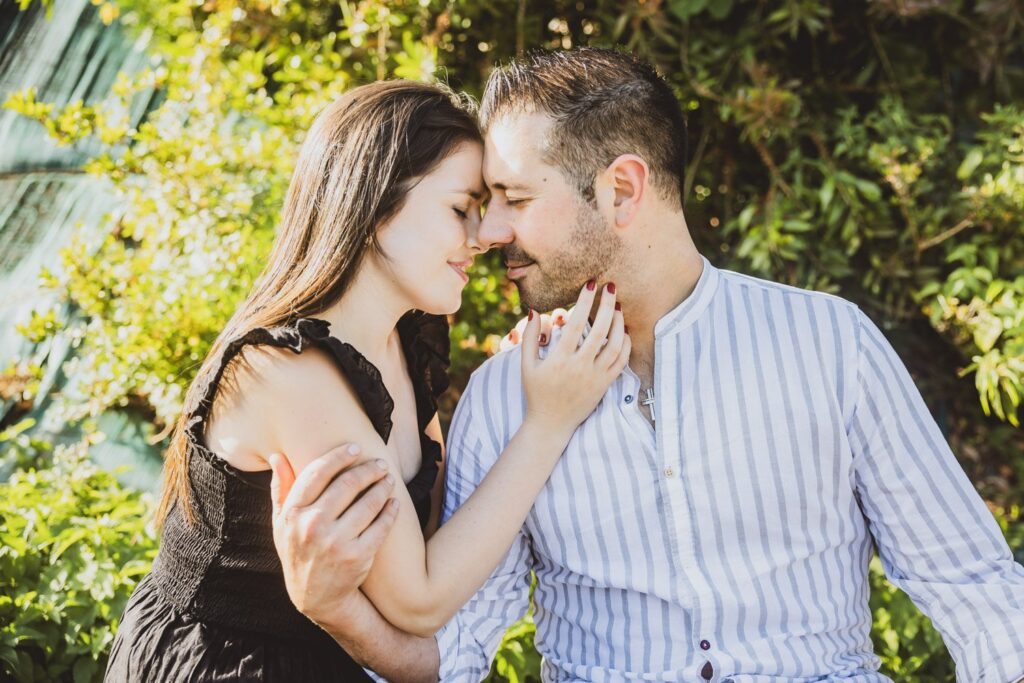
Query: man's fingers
x=361 y=513
x=375 y=533
x=354 y=482
x=281 y=481
x=312 y=481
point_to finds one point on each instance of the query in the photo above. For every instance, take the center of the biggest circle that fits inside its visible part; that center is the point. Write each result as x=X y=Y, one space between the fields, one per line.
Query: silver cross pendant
x=649 y=401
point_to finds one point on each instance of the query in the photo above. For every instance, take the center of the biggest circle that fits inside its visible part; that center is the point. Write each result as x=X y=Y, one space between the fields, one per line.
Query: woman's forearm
x=466 y=549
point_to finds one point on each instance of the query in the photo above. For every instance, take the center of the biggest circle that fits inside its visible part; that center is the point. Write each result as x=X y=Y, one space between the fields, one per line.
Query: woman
x=344 y=339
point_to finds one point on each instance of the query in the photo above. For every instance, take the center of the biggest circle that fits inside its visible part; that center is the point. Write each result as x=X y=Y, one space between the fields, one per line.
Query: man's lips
x=516 y=270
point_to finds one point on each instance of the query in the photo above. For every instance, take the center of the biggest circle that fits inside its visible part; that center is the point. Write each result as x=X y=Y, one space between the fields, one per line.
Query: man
x=713 y=519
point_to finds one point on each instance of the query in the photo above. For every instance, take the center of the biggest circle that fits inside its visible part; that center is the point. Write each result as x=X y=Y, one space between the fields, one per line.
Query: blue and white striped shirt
x=732 y=543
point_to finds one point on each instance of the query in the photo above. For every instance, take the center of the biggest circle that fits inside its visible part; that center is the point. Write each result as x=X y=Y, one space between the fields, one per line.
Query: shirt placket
x=681 y=522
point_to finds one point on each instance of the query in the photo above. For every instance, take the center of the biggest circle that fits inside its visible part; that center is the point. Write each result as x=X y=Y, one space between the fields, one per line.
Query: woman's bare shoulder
x=269 y=394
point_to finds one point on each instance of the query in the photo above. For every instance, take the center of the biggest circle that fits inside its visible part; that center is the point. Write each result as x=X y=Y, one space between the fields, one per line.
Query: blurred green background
x=873 y=149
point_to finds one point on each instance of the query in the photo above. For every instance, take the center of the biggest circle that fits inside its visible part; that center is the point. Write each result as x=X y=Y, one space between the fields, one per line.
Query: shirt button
x=705 y=645
x=669 y=473
x=629 y=398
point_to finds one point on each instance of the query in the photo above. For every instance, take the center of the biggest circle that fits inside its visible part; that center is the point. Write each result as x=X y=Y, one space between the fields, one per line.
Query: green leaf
x=684 y=9
x=719 y=9
x=84 y=669
x=827 y=190
x=970 y=163
x=69 y=539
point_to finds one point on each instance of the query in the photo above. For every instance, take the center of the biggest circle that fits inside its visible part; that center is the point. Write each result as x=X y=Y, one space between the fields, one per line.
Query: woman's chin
x=449 y=307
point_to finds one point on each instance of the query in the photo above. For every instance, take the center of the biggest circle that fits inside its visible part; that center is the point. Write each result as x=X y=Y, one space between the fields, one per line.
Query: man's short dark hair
x=604 y=104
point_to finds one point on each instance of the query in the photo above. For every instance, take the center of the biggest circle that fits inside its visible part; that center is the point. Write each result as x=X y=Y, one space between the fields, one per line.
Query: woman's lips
x=516 y=271
x=459 y=267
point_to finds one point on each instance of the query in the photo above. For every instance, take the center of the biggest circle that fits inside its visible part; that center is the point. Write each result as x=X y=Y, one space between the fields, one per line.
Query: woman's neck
x=366 y=316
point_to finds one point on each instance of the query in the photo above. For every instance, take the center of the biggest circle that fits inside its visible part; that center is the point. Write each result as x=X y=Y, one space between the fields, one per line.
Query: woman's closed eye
x=462 y=213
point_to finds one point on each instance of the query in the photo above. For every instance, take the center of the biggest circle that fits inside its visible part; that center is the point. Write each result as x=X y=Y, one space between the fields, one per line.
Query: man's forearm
x=376 y=644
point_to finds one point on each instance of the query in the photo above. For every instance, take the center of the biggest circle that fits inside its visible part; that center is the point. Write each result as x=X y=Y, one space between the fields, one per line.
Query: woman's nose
x=473 y=238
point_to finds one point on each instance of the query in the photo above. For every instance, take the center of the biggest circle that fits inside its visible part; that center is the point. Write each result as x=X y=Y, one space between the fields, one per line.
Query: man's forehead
x=514 y=149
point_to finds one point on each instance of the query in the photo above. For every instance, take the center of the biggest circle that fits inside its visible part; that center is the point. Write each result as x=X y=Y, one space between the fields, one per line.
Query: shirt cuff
x=448 y=648
x=999 y=654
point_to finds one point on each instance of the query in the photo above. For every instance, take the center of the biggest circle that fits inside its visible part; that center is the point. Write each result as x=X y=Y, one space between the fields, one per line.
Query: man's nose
x=494 y=228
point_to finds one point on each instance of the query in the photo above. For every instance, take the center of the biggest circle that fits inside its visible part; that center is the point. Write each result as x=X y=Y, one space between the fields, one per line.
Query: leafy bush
x=517 y=660
x=73 y=545
x=871 y=149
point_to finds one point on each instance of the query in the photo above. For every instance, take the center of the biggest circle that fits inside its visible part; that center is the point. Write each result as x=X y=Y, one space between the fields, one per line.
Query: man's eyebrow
x=505 y=187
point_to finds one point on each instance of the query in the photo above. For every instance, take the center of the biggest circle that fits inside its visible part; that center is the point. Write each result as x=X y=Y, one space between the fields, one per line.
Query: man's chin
x=534 y=294
x=528 y=295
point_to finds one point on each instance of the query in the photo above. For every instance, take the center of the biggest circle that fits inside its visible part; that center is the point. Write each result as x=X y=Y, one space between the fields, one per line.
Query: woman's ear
x=628 y=175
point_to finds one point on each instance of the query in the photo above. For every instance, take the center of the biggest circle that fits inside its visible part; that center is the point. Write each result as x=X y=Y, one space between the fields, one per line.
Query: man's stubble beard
x=591 y=251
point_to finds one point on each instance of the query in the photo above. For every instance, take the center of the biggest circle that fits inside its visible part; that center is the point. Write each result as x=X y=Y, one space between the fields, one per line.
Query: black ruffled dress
x=215 y=607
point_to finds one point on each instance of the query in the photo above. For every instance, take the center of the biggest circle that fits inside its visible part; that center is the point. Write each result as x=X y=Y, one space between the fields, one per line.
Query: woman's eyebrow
x=475 y=194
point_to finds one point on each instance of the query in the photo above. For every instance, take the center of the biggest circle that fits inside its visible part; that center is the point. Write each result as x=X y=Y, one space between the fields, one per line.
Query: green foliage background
x=874 y=149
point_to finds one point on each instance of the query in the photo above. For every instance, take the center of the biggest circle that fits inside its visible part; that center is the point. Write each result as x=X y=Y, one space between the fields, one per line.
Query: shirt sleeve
x=468 y=643
x=937 y=540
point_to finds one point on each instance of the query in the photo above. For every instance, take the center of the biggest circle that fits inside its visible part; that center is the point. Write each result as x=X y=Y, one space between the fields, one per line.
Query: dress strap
x=297 y=335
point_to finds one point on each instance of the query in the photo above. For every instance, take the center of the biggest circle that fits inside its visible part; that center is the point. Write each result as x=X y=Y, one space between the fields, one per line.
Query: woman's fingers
x=602 y=322
x=573 y=330
x=531 y=340
x=616 y=335
x=515 y=335
x=623 y=358
x=546 y=325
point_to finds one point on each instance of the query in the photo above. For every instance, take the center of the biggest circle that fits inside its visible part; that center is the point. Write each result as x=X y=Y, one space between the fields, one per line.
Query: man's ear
x=628 y=175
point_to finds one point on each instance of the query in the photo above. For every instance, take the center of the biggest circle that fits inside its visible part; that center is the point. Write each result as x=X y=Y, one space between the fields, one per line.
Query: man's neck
x=662 y=275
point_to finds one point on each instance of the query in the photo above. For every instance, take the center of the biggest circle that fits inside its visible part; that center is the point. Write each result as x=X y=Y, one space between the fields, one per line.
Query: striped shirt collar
x=691 y=308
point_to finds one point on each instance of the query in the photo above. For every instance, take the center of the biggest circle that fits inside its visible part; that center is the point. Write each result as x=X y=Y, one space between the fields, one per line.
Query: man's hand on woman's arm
x=328 y=525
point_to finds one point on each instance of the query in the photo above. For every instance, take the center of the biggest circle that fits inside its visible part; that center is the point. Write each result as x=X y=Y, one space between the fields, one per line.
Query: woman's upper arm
x=316 y=410
x=310 y=408
x=433 y=430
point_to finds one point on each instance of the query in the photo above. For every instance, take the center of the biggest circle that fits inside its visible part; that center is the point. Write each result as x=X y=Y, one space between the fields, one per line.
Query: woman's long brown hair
x=357 y=163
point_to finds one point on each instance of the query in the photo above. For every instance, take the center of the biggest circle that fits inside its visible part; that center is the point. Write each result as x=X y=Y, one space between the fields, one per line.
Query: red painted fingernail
x=531 y=315
x=611 y=287
x=560 y=320
x=618 y=306
x=590 y=285
x=543 y=339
